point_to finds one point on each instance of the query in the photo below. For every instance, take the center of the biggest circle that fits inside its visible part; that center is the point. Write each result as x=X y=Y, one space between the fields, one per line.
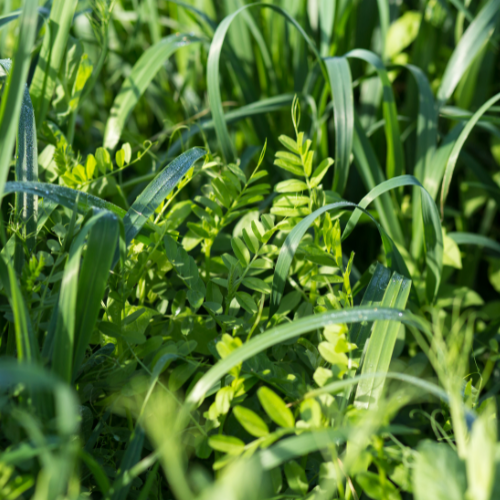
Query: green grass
x=249 y=250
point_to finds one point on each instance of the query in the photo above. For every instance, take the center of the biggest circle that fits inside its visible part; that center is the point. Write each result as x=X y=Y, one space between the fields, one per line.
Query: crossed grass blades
x=204 y=296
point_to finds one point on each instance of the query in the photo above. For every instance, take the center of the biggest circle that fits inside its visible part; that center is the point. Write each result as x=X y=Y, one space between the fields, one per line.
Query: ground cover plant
x=249 y=250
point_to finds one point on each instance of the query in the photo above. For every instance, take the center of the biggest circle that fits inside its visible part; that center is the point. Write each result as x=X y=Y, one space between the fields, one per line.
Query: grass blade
x=381 y=344
x=255 y=108
x=65 y=338
x=374 y=294
x=326 y=22
x=26 y=170
x=473 y=40
x=292 y=330
x=64 y=196
x=101 y=246
x=12 y=98
x=121 y=487
x=432 y=226
x=395 y=156
x=340 y=78
x=51 y=56
x=157 y=190
x=457 y=146
x=425 y=149
x=213 y=79
x=475 y=239
x=369 y=169
x=143 y=72
x=27 y=346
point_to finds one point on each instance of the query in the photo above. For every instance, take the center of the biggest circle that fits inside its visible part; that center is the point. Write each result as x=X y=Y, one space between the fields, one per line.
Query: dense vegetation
x=249 y=251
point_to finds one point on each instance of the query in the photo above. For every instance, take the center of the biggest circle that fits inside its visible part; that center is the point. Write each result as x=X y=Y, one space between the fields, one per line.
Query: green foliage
x=236 y=302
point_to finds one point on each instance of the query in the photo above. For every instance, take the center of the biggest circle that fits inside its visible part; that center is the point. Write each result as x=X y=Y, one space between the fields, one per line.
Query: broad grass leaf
x=339 y=74
x=156 y=192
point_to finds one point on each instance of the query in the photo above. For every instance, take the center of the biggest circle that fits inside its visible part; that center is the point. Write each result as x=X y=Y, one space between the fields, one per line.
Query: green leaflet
x=213 y=79
x=432 y=227
x=70 y=340
x=13 y=94
x=143 y=72
x=290 y=331
x=452 y=159
x=27 y=346
x=340 y=79
x=381 y=345
x=473 y=40
x=292 y=242
x=157 y=190
x=51 y=56
x=475 y=239
x=395 y=156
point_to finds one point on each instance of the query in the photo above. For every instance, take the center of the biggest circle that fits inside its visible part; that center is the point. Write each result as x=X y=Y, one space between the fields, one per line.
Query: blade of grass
x=425 y=149
x=64 y=196
x=65 y=338
x=374 y=294
x=477 y=34
x=339 y=74
x=101 y=247
x=292 y=330
x=327 y=10
x=118 y=490
x=381 y=344
x=263 y=106
x=457 y=146
x=26 y=344
x=395 y=156
x=475 y=239
x=143 y=72
x=213 y=78
x=369 y=169
x=26 y=170
x=385 y=19
x=12 y=98
x=157 y=190
x=51 y=56
x=432 y=227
